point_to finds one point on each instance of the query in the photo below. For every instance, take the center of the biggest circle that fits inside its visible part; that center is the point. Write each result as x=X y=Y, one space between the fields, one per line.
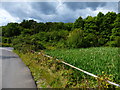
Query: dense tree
x=12 y=29
x=68 y=26
x=25 y=43
x=79 y=23
x=90 y=25
x=107 y=24
x=100 y=30
x=99 y=21
x=28 y=31
x=39 y=27
x=90 y=40
x=28 y=24
x=115 y=35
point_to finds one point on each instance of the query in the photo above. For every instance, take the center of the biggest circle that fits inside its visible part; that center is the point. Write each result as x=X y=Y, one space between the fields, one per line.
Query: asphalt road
x=14 y=72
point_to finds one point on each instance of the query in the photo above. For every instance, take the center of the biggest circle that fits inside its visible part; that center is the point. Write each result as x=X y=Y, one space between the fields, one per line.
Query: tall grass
x=99 y=60
x=49 y=73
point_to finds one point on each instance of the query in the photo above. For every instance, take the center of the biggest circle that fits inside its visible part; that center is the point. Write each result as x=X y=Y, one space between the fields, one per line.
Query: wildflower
x=102 y=71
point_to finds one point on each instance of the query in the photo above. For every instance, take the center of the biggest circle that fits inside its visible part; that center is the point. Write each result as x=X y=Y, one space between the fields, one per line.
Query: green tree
x=76 y=39
x=91 y=40
x=79 y=23
x=90 y=25
x=99 y=21
x=68 y=26
x=115 y=36
x=39 y=27
x=26 y=43
x=107 y=26
x=28 y=31
x=29 y=24
x=12 y=29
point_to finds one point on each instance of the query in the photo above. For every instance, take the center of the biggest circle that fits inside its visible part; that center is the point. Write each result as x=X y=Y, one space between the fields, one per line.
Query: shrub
x=75 y=39
x=115 y=42
x=5 y=45
x=27 y=43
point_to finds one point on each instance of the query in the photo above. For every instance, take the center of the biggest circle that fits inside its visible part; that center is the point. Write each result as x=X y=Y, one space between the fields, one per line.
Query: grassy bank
x=49 y=73
x=5 y=45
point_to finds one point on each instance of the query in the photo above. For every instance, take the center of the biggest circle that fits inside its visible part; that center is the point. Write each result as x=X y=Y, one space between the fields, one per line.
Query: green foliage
x=27 y=43
x=68 y=26
x=75 y=39
x=107 y=26
x=101 y=30
x=79 y=23
x=94 y=60
x=5 y=45
x=50 y=73
x=91 y=40
x=90 y=25
x=115 y=42
x=28 y=31
x=52 y=39
x=28 y=24
x=99 y=20
x=6 y=40
x=12 y=29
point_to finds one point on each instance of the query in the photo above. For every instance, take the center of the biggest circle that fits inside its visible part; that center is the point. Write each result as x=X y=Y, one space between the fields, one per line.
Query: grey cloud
x=113 y=6
x=83 y=5
x=47 y=12
x=44 y=7
x=20 y=9
x=15 y=9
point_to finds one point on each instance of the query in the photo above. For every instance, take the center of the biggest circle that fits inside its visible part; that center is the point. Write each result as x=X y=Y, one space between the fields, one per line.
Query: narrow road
x=14 y=72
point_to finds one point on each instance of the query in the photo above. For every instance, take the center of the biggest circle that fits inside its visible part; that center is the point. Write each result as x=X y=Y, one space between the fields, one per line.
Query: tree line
x=100 y=30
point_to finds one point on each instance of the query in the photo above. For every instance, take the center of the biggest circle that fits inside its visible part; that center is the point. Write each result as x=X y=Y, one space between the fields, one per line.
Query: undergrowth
x=49 y=73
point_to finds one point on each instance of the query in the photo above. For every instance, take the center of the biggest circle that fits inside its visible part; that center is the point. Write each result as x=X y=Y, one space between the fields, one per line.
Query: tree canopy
x=101 y=30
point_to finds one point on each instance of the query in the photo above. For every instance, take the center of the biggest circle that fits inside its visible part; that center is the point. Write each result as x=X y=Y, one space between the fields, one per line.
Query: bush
x=75 y=39
x=115 y=42
x=90 y=40
x=6 y=40
x=27 y=43
x=5 y=45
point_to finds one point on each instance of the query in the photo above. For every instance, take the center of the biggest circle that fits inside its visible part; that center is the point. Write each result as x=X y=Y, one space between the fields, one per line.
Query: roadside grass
x=45 y=71
x=49 y=73
x=5 y=45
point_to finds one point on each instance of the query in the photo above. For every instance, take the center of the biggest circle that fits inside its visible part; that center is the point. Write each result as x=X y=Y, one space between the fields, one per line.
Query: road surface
x=14 y=72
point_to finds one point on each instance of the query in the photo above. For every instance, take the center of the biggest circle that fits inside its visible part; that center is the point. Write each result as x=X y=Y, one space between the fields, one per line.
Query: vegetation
x=5 y=45
x=101 y=30
x=72 y=42
x=50 y=73
x=94 y=60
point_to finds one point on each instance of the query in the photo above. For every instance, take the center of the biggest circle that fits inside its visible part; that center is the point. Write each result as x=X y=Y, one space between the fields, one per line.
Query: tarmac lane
x=15 y=74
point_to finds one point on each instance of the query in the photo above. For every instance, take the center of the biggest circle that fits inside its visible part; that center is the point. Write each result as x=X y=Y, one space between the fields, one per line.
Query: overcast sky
x=52 y=11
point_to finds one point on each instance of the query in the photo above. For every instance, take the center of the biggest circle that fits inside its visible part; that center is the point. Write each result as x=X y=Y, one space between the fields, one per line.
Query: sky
x=52 y=11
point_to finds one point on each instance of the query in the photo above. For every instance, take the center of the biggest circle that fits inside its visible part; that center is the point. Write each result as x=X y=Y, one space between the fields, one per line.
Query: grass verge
x=49 y=73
